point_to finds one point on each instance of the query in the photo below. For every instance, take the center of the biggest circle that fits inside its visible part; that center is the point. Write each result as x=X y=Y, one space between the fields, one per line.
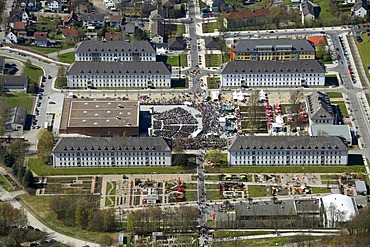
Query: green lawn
x=257 y=191
x=334 y=95
x=68 y=57
x=180 y=29
x=213 y=195
x=342 y=107
x=330 y=177
x=213 y=82
x=287 y=169
x=174 y=60
x=20 y=99
x=39 y=205
x=47 y=50
x=230 y=233
x=46 y=170
x=262 y=242
x=325 y=13
x=209 y=27
x=33 y=72
x=213 y=60
x=319 y=190
x=5 y=183
x=364 y=50
x=191 y=196
x=111 y=188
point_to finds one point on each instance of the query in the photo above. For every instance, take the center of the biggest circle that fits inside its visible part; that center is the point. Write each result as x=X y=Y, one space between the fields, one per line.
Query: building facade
x=273 y=49
x=319 y=109
x=111 y=152
x=119 y=75
x=273 y=74
x=113 y=51
x=287 y=150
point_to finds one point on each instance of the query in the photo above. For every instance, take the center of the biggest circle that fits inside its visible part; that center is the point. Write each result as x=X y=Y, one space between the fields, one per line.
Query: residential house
x=113 y=36
x=360 y=9
x=157 y=15
x=288 y=151
x=115 y=21
x=41 y=39
x=350 y=1
x=93 y=20
x=119 y=75
x=16 y=119
x=168 y=7
x=309 y=11
x=273 y=74
x=11 y=38
x=157 y=34
x=54 y=5
x=69 y=19
x=70 y=33
x=129 y=28
x=111 y=51
x=111 y=152
x=212 y=43
x=14 y=83
x=176 y=44
x=17 y=16
x=19 y=26
x=220 y=6
x=319 y=109
x=273 y=49
x=2 y=65
x=28 y=5
x=244 y=18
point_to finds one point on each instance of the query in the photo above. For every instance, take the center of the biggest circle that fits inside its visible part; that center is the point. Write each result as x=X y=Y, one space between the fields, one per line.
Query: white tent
x=238 y=96
x=279 y=120
x=215 y=95
x=337 y=208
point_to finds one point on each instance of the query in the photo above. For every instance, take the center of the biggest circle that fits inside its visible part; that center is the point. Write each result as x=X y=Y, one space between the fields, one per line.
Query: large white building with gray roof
x=112 y=51
x=111 y=152
x=273 y=74
x=118 y=75
x=287 y=150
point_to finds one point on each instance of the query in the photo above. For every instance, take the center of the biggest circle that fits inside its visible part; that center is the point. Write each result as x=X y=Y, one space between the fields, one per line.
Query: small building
x=244 y=18
x=129 y=28
x=92 y=20
x=310 y=11
x=70 y=33
x=14 y=83
x=69 y=19
x=176 y=44
x=319 y=109
x=361 y=187
x=2 y=65
x=360 y=9
x=331 y=130
x=115 y=21
x=54 y=5
x=19 y=26
x=337 y=209
x=16 y=119
x=157 y=34
x=113 y=36
x=11 y=38
x=212 y=43
x=41 y=39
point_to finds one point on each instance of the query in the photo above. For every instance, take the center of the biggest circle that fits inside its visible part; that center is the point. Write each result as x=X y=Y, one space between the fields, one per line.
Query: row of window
x=112 y=154
x=121 y=55
x=278 y=162
x=154 y=84
x=285 y=75
x=259 y=84
x=285 y=153
x=104 y=77
x=97 y=164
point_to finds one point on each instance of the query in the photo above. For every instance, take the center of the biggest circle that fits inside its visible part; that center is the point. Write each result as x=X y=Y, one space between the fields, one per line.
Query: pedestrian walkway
x=54 y=55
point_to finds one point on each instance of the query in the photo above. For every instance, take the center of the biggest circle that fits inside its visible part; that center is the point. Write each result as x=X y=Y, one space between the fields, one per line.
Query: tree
x=179 y=157
x=253 y=112
x=250 y=200
x=10 y=217
x=61 y=81
x=214 y=156
x=28 y=178
x=278 y=15
x=295 y=101
x=106 y=241
x=45 y=144
x=140 y=34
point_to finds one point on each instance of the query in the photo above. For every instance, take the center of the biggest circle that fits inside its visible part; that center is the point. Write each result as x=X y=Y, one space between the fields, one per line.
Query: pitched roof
x=92 y=17
x=19 y=25
x=157 y=28
x=70 y=32
x=318 y=40
x=15 y=15
x=13 y=79
x=176 y=43
x=111 y=36
x=309 y=7
x=212 y=43
x=319 y=106
x=360 y=4
x=115 y=18
x=41 y=36
x=17 y=115
x=287 y=143
x=168 y=3
x=253 y=45
x=68 y=17
x=245 y=14
x=273 y=67
x=109 y=144
x=115 y=68
x=89 y=46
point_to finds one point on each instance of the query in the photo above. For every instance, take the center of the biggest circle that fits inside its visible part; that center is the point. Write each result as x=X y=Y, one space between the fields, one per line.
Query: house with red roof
x=254 y=17
x=113 y=36
x=19 y=25
x=70 y=33
x=318 y=40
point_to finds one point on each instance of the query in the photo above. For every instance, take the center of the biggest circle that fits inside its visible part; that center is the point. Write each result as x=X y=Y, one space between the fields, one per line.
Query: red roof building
x=318 y=40
x=19 y=25
x=112 y=36
x=70 y=33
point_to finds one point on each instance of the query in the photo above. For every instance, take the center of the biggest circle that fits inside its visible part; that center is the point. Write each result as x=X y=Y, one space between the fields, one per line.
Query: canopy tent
x=215 y=95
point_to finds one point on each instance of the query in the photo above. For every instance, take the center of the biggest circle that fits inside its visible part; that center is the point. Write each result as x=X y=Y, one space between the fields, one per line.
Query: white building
x=337 y=209
x=119 y=75
x=287 y=150
x=360 y=9
x=111 y=152
x=272 y=74
x=319 y=109
x=55 y=5
x=112 y=51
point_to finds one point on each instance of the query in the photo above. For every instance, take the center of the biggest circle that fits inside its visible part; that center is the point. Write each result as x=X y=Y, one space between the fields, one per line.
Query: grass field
x=213 y=82
x=319 y=190
x=180 y=29
x=364 y=50
x=5 y=183
x=228 y=234
x=174 y=60
x=20 y=99
x=342 y=107
x=111 y=188
x=213 y=195
x=334 y=95
x=33 y=72
x=191 y=196
x=257 y=191
x=46 y=170
x=262 y=242
x=39 y=205
x=47 y=50
x=68 y=57
x=209 y=27
x=213 y=60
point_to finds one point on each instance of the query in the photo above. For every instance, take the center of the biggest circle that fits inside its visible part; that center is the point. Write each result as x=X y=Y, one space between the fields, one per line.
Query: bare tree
x=295 y=100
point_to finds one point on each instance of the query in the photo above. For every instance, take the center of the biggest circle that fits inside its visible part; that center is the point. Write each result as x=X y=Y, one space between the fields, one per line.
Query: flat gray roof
x=118 y=68
x=332 y=130
x=92 y=46
x=91 y=113
x=299 y=143
x=250 y=45
x=273 y=67
x=111 y=144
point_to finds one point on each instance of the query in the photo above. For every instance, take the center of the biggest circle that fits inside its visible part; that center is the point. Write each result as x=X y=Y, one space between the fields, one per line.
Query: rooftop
x=319 y=107
x=90 y=113
x=273 y=67
x=252 y=45
x=90 y=46
x=16 y=115
x=13 y=79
